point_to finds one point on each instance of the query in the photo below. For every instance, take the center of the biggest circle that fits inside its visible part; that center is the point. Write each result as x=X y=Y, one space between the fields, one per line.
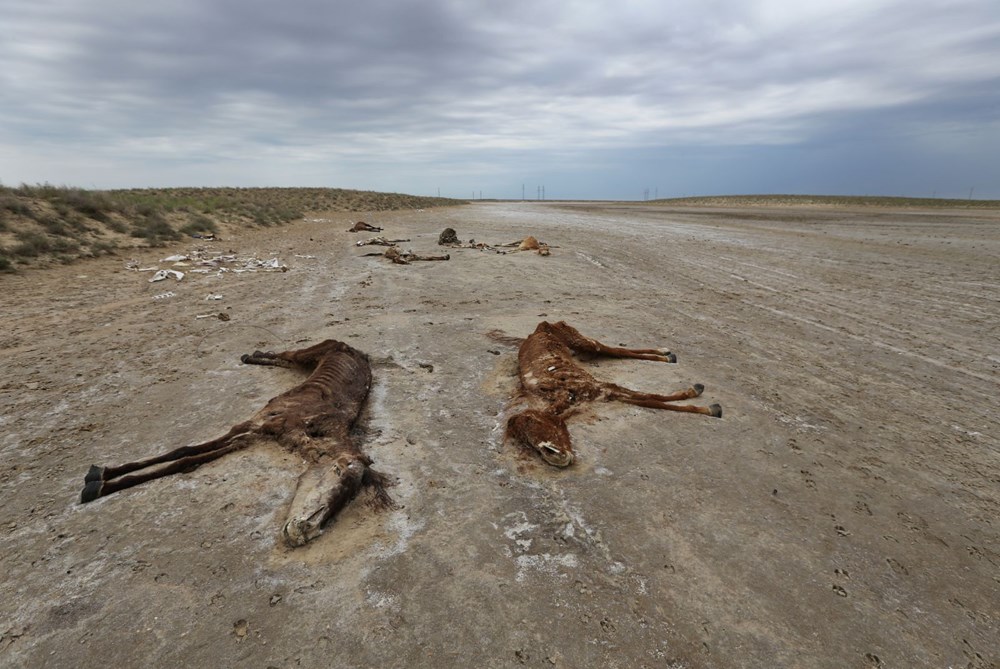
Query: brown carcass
x=313 y=419
x=554 y=387
x=361 y=226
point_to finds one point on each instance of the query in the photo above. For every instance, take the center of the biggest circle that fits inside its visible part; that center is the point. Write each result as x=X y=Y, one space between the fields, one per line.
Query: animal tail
x=502 y=337
x=378 y=483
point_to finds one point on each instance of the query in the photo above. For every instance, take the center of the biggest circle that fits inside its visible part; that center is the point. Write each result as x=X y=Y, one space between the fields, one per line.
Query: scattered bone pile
x=202 y=261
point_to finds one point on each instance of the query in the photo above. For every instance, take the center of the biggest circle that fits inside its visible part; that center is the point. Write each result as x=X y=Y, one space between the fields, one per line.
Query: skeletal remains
x=399 y=257
x=380 y=241
x=554 y=386
x=449 y=237
x=313 y=419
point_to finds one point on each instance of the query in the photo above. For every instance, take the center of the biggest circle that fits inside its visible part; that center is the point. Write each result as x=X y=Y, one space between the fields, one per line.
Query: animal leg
x=302 y=357
x=581 y=344
x=416 y=257
x=654 y=401
x=324 y=489
x=101 y=481
x=545 y=432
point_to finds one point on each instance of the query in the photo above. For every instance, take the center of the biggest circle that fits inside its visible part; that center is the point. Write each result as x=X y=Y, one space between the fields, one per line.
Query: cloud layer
x=593 y=99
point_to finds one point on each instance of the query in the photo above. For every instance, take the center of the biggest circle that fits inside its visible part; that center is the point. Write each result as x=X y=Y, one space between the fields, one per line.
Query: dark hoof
x=699 y=388
x=244 y=358
x=716 y=410
x=91 y=491
x=670 y=357
x=95 y=474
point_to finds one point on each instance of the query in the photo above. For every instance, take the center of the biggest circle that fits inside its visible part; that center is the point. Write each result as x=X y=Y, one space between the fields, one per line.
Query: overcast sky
x=590 y=99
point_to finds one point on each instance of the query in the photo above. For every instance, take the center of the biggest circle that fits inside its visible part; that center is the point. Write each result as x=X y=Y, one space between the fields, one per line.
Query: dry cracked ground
x=842 y=513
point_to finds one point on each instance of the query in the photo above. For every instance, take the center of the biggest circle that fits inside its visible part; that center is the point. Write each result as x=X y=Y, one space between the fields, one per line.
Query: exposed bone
x=405 y=258
x=380 y=241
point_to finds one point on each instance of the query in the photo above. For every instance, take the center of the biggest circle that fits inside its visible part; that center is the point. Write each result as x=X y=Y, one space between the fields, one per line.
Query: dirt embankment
x=44 y=225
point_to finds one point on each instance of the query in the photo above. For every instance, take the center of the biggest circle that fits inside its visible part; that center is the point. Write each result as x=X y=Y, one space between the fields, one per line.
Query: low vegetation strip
x=42 y=224
x=828 y=201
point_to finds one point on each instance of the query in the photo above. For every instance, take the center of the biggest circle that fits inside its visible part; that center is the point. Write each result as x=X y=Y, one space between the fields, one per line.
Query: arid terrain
x=844 y=511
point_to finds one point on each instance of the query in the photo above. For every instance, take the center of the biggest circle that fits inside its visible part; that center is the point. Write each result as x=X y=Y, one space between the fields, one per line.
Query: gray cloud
x=478 y=95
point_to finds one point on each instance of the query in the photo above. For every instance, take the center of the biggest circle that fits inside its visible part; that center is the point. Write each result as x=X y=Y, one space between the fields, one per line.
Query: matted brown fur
x=553 y=386
x=361 y=226
x=313 y=419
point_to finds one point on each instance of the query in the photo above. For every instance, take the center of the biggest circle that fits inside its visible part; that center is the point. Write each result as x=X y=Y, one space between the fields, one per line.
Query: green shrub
x=30 y=244
x=116 y=225
x=92 y=204
x=103 y=248
x=155 y=229
x=78 y=222
x=199 y=224
x=15 y=205
x=54 y=225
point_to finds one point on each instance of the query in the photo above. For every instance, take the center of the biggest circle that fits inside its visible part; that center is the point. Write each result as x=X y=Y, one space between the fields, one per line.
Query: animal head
x=545 y=433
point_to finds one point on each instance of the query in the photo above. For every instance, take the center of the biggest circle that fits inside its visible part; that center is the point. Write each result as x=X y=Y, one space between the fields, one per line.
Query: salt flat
x=842 y=513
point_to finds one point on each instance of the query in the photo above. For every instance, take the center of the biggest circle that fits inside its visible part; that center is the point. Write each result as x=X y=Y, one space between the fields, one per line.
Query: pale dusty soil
x=842 y=513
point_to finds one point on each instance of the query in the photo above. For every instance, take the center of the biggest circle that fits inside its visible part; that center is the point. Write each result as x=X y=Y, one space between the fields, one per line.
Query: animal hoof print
x=716 y=410
x=699 y=388
x=94 y=474
x=91 y=491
